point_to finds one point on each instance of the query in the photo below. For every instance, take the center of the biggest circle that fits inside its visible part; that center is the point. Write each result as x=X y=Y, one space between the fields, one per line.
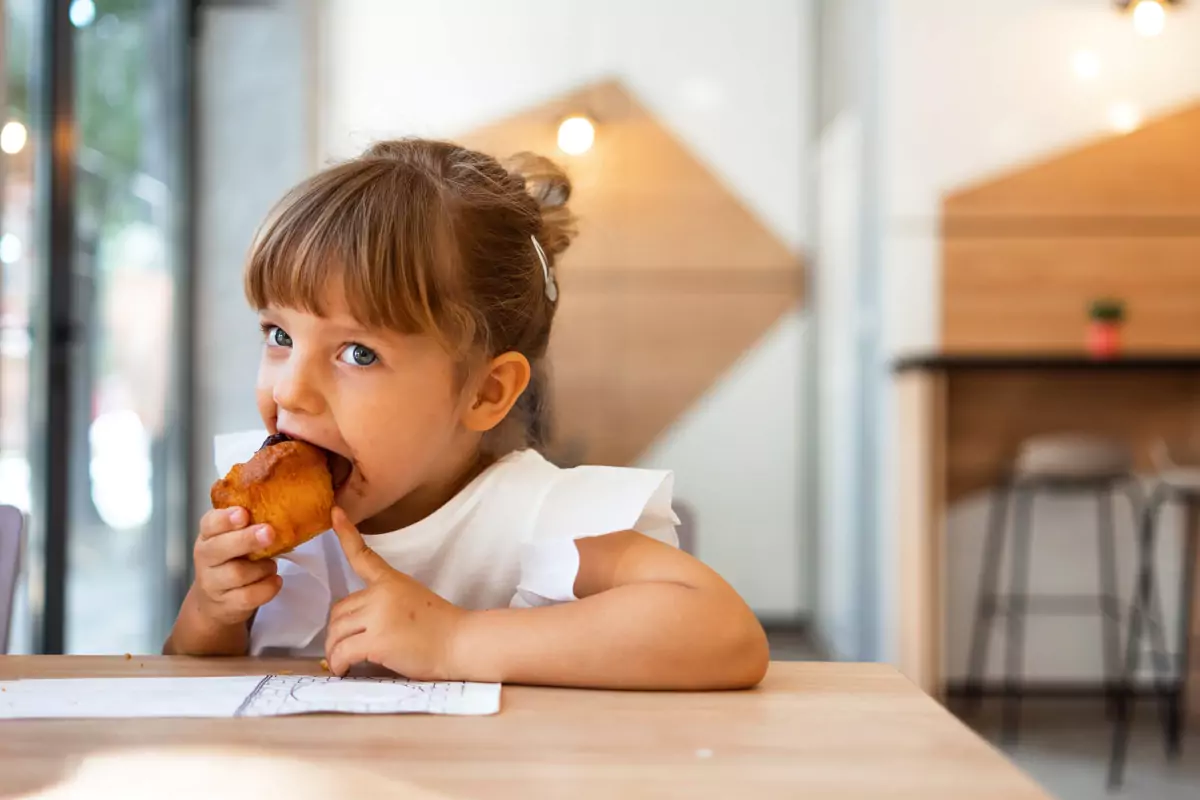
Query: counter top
x=1137 y=362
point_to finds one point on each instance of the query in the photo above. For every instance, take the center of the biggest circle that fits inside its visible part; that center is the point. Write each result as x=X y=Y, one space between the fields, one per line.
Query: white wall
x=840 y=502
x=254 y=142
x=971 y=90
x=730 y=80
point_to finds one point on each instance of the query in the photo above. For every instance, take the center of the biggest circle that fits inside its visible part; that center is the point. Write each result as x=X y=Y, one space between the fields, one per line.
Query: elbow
x=754 y=658
x=746 y=656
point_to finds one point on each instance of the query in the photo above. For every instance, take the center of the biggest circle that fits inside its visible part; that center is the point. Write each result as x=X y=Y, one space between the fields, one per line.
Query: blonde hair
x=429 y=238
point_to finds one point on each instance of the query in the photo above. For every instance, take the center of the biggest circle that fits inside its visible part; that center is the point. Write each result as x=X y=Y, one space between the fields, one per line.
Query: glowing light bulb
x=13 y=137
x=576 y=135
x=1086 y=65
x=1124 y=117
x=1149 y=17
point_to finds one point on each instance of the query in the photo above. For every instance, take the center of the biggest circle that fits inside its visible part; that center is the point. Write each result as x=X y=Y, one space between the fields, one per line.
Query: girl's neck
x=428 y=497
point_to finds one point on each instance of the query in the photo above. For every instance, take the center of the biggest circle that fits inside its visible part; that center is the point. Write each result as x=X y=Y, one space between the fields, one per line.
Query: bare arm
x=197 y=634
x=216 y=614
x=649 y=617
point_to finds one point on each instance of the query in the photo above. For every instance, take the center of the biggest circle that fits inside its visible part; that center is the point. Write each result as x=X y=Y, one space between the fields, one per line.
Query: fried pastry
x=287 y=484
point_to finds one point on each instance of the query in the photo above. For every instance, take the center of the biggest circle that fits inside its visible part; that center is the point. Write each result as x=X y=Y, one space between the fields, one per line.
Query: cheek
x=414 y=417
x=264 y=394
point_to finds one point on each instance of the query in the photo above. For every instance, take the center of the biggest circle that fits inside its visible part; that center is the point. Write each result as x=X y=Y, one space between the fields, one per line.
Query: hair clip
x=547 y=271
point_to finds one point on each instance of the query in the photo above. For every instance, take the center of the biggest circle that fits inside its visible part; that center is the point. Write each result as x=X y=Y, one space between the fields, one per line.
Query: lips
x=339 y=466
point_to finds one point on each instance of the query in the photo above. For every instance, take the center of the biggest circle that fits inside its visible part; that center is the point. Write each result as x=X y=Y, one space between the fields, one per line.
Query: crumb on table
x=324 y=665
x=129 y=656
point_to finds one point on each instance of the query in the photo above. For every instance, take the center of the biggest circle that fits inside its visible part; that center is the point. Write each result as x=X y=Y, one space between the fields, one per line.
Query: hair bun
x=544 y=180
x=550 y=187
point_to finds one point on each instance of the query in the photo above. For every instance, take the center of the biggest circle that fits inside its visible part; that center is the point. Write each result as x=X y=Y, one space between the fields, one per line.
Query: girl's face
x=386 y=402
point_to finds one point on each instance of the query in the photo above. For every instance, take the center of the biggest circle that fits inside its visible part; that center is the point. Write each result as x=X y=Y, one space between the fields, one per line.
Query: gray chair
x=12 y=530
x=686 y=529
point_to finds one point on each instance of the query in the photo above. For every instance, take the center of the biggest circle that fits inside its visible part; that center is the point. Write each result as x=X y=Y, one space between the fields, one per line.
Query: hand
x=231 y=586
x=394 y=622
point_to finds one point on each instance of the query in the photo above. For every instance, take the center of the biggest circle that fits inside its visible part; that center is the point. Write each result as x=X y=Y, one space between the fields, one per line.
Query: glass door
x=130 y=76
x=19 y=261
x=109 y=359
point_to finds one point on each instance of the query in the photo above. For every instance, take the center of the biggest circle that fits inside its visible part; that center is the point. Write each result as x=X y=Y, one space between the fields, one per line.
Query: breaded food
x=287 y=485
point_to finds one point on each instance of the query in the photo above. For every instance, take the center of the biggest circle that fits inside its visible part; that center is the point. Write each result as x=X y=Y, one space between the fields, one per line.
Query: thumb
x=365 y=562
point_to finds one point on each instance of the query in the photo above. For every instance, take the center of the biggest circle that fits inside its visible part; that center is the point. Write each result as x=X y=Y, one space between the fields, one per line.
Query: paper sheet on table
x=252 y=696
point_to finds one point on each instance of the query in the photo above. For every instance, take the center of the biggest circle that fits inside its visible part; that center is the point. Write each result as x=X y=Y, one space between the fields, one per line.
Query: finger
x=365 y=562
x=238 y=573
x=348 y=652
x=349 y=604
x=223 y=520
x=235 y=544
x=343 y=627
x=248 y=598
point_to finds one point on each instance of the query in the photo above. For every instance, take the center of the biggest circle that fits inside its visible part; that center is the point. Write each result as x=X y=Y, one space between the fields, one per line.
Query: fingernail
x=238 y=516
x=263 y=534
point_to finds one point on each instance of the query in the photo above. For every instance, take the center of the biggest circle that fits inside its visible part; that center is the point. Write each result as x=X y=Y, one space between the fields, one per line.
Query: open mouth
x=339 y=466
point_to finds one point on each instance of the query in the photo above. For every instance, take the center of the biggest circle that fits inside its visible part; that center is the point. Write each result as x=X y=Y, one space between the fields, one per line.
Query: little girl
x=406 y=299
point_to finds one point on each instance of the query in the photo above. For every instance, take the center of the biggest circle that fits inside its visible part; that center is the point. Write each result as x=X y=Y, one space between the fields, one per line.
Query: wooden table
x=811 y=730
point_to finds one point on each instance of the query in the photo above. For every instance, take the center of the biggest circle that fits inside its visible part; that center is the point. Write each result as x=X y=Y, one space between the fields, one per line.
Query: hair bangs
x=379 y=229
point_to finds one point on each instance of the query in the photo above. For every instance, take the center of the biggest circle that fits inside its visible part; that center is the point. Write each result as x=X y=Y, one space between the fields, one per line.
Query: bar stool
x=1064 y=464
x=1180 y=483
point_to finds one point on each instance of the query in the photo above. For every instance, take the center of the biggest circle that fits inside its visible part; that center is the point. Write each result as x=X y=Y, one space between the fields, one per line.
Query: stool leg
x=1016 y=607
x=1133 y=646
x=1156 y=626
x=985 y=604
x=1187 y=596
x=1110 y=612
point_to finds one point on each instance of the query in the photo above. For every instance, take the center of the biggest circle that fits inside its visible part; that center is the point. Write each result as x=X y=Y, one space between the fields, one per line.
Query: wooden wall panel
x=1154 y=170
x=671 y=280
x=1032 y=294
x=1025 y=253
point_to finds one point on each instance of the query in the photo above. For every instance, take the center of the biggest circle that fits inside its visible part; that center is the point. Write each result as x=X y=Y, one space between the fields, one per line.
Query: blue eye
x=277 y=337
x=358 y=355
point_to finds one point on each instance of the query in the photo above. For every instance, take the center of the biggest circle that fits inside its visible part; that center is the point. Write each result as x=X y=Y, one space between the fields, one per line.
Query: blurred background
x=866 y=274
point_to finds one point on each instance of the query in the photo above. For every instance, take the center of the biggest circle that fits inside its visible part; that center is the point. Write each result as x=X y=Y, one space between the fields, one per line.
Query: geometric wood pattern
x=1024 y=254
x=670 y=281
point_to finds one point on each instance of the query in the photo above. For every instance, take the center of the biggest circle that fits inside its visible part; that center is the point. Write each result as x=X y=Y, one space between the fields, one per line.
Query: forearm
x=654 y=635
x=196 y=634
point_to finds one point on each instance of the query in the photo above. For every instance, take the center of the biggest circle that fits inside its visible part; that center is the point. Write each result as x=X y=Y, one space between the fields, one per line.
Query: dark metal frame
x=1145 y=611
x=1018 y=603
x=54 y=328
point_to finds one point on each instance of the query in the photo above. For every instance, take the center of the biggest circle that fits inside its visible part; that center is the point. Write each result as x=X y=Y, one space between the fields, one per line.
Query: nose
x=297 y=388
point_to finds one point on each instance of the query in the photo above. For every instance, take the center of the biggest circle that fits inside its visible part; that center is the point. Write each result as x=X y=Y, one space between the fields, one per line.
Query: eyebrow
x=348 y=329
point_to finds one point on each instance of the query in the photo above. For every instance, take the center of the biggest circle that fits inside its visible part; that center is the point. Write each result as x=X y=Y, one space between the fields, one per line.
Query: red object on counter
x=1104 y=339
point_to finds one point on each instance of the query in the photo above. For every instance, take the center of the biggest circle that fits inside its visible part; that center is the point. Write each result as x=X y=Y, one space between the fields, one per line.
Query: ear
x=496 y=391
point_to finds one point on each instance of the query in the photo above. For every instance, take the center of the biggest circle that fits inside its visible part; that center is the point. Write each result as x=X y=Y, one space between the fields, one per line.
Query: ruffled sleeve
x=584 y=502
